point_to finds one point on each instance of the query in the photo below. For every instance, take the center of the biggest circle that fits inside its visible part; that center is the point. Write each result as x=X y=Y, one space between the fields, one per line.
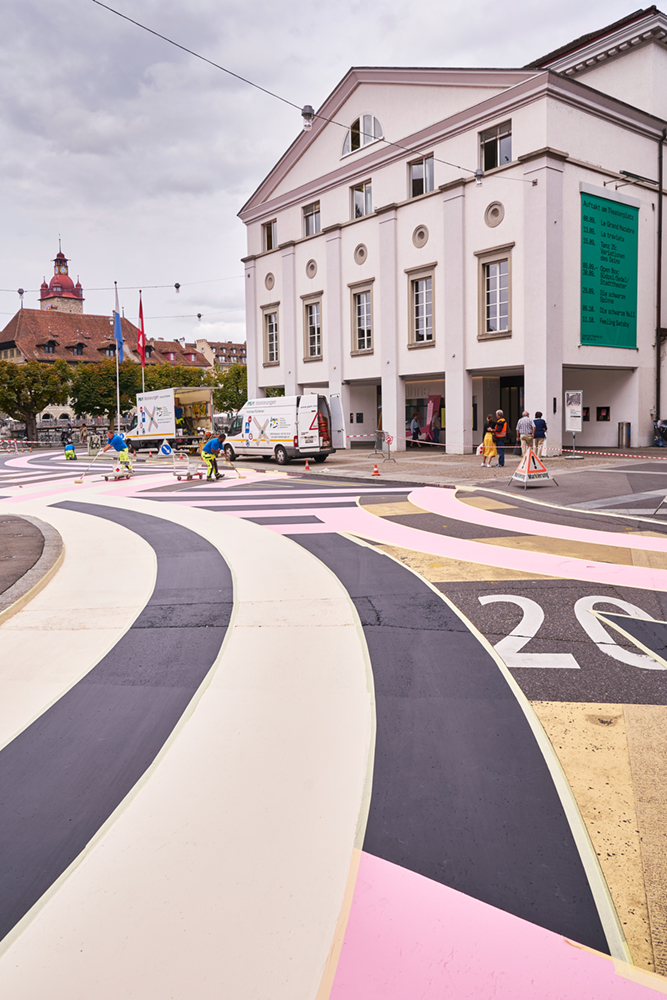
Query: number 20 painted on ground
x=510 y=647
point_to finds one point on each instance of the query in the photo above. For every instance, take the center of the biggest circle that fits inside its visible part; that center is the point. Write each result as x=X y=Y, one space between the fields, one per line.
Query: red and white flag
x=141 y=335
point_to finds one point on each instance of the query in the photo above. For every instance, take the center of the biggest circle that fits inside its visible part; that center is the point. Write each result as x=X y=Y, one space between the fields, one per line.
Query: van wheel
x=282 y=458
x=320 y=458
x=229 y=453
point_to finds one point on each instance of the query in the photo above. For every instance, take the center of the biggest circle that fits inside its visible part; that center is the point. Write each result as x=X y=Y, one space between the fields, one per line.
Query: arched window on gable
x=364 y=130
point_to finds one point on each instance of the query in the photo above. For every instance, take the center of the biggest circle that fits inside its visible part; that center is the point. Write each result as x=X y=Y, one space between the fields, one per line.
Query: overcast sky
x=140 y=156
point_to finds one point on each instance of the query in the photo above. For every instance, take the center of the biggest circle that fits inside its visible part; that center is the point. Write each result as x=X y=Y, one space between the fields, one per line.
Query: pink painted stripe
x=448 y=504
x=359 y=522
x=410 y=937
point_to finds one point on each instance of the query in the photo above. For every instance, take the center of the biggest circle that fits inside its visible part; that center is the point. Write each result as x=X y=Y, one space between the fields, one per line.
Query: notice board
x=609 y=242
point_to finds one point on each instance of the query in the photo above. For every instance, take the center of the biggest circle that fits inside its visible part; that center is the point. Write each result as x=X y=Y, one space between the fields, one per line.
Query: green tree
x=27 y=388
x=230 y=388
x=94 y=388
x=166 y=376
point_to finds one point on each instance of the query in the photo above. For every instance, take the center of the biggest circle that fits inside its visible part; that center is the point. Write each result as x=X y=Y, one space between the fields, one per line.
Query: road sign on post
x=574 y=413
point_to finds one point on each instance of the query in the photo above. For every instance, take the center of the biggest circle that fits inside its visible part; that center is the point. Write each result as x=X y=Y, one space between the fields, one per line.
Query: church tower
x=61 y=293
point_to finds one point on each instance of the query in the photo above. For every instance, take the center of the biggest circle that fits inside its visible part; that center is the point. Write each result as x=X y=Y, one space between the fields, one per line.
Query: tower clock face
x=63 y=270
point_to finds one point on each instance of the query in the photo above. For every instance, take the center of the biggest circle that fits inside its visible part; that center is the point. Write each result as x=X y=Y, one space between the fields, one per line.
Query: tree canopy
x=27 y=388
x=230 y=388
x=94 y=388
x=166 y=376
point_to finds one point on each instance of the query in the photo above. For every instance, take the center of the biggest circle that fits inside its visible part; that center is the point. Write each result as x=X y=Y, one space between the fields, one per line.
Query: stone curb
x=37 y=577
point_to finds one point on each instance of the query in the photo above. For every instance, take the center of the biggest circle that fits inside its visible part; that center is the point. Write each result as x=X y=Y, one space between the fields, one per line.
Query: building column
x=458 y=382
x=335 y=327
x=393 y=387
x=253 y=343
x=543 y=289
x=291 y=332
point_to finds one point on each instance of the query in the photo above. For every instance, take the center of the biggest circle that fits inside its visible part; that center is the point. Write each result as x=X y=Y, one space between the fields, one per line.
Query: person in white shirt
x=524 y=432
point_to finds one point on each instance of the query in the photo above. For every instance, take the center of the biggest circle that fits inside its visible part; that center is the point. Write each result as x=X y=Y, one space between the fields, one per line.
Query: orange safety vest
x=501 y=429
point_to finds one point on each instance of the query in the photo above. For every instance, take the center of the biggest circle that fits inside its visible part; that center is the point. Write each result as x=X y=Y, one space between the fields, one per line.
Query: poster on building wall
x=574 y=410
x=609 y=241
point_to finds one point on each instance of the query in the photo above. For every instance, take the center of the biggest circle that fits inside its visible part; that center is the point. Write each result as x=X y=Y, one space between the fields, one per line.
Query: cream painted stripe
x=605 y=906
x=224 y=873
x=106 y=578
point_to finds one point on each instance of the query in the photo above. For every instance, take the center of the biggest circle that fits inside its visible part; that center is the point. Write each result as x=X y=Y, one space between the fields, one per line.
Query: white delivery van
x=287 y=427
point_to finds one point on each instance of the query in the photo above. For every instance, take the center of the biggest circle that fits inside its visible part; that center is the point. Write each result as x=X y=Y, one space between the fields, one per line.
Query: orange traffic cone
x=375 y=471
x=307 y=469
x=150 y=454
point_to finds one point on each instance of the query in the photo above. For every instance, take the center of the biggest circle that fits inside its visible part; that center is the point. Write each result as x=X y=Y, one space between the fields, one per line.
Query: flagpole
x=117 y=371
x=141 y=344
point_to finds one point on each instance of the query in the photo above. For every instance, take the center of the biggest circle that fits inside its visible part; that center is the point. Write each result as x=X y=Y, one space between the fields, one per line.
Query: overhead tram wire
x=291 y=104
x=135 y=288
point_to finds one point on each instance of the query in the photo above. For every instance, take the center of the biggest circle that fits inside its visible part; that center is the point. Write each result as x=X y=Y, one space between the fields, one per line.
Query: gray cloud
x=141 y=156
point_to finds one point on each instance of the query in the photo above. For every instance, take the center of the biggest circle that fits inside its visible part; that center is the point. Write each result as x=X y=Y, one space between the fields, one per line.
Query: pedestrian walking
x=500 y=437
x=435 y=427
x=415 y=429
x=539 y=433
x=524 y=432
x=489 y=445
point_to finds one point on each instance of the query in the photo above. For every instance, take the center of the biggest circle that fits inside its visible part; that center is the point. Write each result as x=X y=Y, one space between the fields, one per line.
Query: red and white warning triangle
x=531 y=469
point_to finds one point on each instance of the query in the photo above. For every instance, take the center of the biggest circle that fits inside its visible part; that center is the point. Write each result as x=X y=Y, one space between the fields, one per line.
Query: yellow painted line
x=591 y=742
x=590 y=551
x=487 y=503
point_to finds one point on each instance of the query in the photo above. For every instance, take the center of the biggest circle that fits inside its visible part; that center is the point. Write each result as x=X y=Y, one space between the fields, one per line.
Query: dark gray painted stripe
x=304 y=519
x=63 y=776
x=243 y=507
x=461 y=792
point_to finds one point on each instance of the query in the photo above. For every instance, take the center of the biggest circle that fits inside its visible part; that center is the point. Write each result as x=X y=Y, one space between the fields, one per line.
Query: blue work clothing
x=215 y=444
x=117 y=442
x=539 y=427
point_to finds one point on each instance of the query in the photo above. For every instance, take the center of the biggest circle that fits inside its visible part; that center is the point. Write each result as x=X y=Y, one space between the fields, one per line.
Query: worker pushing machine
x=120 y=445
x=210 y=453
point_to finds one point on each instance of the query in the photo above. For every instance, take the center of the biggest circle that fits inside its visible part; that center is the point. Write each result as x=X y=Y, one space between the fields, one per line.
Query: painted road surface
x=285 y=759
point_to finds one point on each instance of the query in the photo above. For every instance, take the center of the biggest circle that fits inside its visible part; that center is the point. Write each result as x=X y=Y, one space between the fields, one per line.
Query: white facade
x=526 y=217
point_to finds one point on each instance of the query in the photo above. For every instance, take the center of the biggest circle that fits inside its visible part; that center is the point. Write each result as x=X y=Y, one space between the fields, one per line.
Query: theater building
x=472 y=239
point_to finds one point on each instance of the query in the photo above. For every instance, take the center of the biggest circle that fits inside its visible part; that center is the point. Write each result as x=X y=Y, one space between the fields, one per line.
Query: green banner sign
x=609 y=231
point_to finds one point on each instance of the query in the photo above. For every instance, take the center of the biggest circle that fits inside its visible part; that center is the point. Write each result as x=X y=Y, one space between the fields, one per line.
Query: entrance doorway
x=512 y=400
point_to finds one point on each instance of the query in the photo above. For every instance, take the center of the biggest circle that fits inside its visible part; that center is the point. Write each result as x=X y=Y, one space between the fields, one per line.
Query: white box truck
x=184 y=416
x=286 y=427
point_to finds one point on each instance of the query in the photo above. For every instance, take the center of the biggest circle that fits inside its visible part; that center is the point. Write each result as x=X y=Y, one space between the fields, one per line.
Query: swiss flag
x=141 y=335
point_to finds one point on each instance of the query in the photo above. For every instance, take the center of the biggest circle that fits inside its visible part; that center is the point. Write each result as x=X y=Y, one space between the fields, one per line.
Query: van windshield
x=236 y=425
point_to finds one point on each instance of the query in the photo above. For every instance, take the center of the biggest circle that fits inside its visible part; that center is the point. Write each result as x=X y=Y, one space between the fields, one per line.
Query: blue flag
x=117 y=331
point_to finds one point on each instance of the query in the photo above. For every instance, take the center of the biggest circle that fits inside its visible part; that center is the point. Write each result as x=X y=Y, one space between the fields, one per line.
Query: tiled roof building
x=224 y=353
x=51 y=335
x=175 y=353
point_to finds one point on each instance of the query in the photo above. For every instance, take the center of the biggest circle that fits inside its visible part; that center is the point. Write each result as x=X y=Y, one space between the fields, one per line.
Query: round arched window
x=364 y=130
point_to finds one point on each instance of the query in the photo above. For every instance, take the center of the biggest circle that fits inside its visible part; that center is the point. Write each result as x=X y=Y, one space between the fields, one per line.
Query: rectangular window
x=496 y=297
x=313 y=330
x=422 y=310
x=494 y=292
x=362 y=319
x=269 y=240
x=311 y=219
x=421 y=177
x=496 y=146
x=362 y=200
x=271 y=332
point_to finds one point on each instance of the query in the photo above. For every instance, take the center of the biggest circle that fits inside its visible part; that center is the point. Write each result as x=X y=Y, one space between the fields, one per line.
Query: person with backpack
x=500 y=437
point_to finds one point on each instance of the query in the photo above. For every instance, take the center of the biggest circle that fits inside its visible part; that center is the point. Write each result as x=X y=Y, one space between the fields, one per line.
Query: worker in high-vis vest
x=120 y=445
x=210 y=453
